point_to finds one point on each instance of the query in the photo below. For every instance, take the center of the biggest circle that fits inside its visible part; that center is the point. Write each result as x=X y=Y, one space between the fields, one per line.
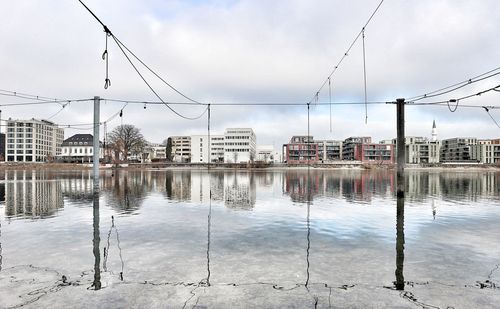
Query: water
x=293 y=238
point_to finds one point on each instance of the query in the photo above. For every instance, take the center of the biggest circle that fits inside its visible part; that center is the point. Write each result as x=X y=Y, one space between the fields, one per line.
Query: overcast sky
x=255 y=51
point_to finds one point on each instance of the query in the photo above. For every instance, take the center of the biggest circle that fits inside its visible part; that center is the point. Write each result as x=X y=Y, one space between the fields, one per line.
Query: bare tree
x=126 y=139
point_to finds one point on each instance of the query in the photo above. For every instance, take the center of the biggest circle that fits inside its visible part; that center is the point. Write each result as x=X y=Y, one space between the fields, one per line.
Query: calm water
x=328 y=238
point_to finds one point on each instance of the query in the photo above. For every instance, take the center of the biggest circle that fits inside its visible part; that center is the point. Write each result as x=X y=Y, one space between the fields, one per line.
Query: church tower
x=434 y=131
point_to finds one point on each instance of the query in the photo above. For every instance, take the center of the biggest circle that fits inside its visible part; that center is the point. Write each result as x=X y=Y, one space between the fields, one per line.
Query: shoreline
x=257 y=166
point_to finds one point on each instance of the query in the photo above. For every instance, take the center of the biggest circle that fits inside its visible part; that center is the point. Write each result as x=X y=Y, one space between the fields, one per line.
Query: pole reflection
x=400 y=244
x=400 y=236
x=96 y=241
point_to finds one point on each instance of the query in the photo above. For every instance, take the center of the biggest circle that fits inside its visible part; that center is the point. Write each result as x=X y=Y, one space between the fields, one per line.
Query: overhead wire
x=456 y=86
x=364 y=76
x=151 y=88
x=346 y=53
x=25 y=95
x=122 y=48
x=488 y=112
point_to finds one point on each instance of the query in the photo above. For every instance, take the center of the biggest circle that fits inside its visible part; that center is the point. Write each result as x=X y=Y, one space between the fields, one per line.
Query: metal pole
x=96 y=141
x=400 y=183
x=400 y=145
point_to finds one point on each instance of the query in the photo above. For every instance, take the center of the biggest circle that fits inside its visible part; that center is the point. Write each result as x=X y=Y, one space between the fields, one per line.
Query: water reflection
x=35 y=194
x=96 y=284
x=28 y=196
x=239 y=190
x=126 y=191
x=108 y=247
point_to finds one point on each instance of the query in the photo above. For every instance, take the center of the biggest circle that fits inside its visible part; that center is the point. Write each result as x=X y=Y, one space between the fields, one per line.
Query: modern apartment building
x=301 y=149
x=486 y=151
x=374 y=153
x=33 y=140
x=457 y=149
x=350 y=144
x=181 y=148
x=420 y=150
x=239 y=145
x=329 y=150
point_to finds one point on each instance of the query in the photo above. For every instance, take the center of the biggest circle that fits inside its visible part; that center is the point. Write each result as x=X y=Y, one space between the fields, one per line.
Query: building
x=79 y=148
x=434 y=133
x=486 y=151
x=350 y=144
x=329 y=150
x=154 y=152
x=267 y=154
x=420 y=150
x=181 y=148
x=200 y=148
x=301 y=149
x=217 y=148
x=2 y=146
x=457 y=149
x=374 y=153
x=239 y=145
x=33 y=140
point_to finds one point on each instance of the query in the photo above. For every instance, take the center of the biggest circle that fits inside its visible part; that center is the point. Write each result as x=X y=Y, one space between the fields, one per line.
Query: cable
x=60 y=102
x=456 y=86
x=26 y=95
x=122 y=45
x=151 y=88
x=57 y=113
x=246 y=103
x=348 y=50
x=364 y=76
x=488 y=112
x=155 y=74
x=330 y=101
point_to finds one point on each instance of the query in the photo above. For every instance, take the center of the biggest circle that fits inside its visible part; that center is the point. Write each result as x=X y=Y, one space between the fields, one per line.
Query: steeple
x=434 y=131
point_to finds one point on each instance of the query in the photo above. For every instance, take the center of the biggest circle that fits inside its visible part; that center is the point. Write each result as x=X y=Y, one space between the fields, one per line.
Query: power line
x=151 y=88
x=122 y=46
x=346 y=53
x=154 y=73
x=60 y=102
x=246 y=103
x=488 y=112
x=457 y=86
x=26 y=95
x=457 y=100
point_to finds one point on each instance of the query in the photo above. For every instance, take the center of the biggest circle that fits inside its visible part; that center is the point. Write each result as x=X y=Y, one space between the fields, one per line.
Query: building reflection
x=239 y=190
x=126 y=191
x=27 y=196
x=178 y=185
x=364 y=186
x=77 y=187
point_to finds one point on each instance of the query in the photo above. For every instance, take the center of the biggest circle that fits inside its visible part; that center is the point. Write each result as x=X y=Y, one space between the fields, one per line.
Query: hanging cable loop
x=105 y=57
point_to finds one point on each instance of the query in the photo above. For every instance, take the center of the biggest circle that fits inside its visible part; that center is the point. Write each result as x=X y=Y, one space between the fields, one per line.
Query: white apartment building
x=181 y=148
x=200 y=148
x=239 y=145
x=32 y=140
x=486 y=151
x=79 y=148
x=420 y=150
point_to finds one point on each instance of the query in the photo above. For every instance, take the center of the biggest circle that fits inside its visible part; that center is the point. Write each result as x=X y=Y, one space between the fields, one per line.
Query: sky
x=231 y=51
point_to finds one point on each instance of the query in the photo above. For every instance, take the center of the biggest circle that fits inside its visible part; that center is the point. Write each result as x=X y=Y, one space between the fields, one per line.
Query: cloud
x=255 y=51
